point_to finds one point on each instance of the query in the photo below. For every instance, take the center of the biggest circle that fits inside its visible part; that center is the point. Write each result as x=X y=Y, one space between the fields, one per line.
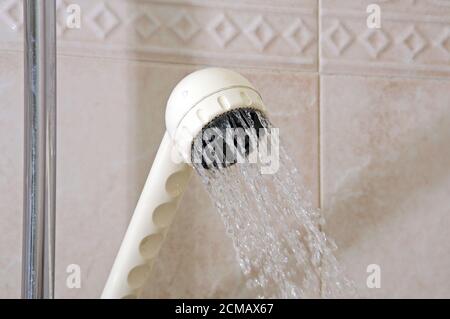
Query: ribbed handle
x=153 y=215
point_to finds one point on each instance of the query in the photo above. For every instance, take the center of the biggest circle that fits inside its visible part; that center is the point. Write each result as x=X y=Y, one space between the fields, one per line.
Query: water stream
x=276 y=231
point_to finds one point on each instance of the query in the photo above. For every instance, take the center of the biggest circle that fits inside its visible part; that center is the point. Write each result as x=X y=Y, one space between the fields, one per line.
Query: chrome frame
x=38 y=246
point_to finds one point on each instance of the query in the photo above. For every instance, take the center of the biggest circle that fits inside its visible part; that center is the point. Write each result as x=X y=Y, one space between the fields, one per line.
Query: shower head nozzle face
x=228 y=139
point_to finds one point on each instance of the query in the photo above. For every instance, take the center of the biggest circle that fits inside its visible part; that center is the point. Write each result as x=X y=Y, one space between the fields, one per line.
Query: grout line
x=319 y=128
x=261 y=67
x=320 y=141
x=319 y=101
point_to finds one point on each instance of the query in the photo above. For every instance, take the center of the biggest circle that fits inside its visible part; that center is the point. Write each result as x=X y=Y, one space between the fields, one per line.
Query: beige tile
x=386 y=179
x=111 y=119
x=414 y=38
x=105 y=159
x=110 y=123
x=11 y=146
x=198 y=259
x=237 y=33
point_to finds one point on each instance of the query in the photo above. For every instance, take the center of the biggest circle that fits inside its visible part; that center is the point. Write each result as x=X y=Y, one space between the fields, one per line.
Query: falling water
x=275 y=230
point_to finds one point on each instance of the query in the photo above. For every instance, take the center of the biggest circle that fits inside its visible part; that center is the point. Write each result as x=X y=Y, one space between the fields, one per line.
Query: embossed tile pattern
x=250 y=33
x=414 y=38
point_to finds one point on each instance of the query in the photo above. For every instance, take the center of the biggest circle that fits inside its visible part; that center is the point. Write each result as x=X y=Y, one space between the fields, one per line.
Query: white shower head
x=201 y=99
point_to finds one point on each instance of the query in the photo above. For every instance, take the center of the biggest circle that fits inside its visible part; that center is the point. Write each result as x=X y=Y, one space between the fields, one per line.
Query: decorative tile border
x=249 y=32
x=414 y=38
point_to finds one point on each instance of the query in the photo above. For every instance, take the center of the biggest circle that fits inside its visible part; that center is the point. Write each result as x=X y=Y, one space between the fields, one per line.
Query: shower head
x=210 y=98
x=207 y=99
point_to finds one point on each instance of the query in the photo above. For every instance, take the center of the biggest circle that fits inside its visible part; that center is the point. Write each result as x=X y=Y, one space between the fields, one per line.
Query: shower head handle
x=152 y=217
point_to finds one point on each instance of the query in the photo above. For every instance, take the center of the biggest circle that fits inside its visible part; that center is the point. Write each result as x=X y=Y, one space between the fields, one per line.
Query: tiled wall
x=365 y=114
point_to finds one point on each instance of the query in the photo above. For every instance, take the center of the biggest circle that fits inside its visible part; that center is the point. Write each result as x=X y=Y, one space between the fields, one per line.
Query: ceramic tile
x=384 y=156
x=252 y=33
x=11 y=143
x=118 y=147
x=198 y=259
x=385 y=181
x=110 y=123
x=413 y=40
x=111 y=120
